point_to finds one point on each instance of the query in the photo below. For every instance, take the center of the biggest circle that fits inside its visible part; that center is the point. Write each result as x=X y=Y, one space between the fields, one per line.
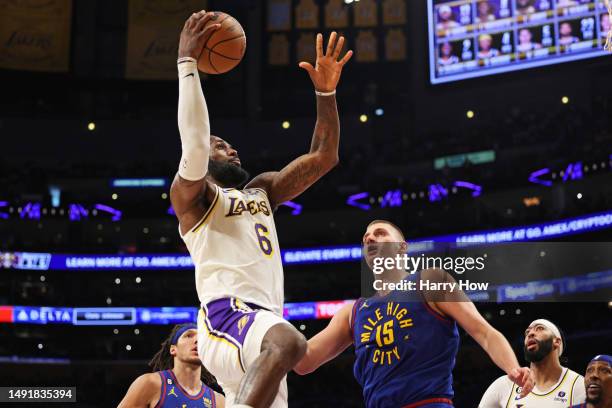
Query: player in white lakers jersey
x=556 y=386
x=229 y=231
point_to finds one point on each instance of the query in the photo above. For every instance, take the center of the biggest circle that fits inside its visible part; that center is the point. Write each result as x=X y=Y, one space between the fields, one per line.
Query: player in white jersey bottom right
x=556 y=386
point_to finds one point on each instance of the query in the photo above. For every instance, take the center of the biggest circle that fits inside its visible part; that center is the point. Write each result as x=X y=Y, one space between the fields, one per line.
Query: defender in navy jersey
x=598 y=383
x=405 y=344
x=179 y=380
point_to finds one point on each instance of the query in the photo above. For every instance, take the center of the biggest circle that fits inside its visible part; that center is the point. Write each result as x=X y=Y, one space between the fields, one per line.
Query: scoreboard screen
x=472 y=38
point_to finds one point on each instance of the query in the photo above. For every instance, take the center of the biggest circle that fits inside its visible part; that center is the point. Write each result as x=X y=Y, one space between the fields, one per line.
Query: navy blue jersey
x=174 y=396
x=405 y=352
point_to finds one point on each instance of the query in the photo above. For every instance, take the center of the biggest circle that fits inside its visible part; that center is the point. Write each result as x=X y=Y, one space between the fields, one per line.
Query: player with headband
x=598 y=383
x=556 y=386
x=178 y=380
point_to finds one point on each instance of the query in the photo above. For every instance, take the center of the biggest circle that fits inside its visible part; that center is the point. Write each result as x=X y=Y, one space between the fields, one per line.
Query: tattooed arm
x=304 y=171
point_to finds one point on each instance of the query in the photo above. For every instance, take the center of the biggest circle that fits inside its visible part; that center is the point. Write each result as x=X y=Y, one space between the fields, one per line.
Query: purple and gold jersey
x=174 y=396
x=405 y=352
x=235 y=250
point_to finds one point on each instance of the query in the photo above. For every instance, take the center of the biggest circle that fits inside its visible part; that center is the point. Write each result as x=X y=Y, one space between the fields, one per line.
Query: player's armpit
x=143 y=392
x=190 y=200
x=329 y=343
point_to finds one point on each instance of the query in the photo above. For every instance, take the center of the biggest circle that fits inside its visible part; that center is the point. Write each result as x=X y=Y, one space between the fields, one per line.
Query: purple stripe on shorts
x=230 y=318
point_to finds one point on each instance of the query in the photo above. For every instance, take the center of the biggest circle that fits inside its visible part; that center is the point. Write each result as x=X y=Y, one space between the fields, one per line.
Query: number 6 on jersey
x=262 y=236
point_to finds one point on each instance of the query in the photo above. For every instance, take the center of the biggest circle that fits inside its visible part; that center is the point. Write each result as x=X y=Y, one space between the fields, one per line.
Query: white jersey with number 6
x=503 y=393
x=235 y=250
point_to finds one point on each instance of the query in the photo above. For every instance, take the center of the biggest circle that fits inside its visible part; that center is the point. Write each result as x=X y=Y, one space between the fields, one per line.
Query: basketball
x=225 y=47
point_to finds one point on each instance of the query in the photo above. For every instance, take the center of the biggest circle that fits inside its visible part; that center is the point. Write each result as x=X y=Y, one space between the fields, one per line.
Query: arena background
x=89 y=97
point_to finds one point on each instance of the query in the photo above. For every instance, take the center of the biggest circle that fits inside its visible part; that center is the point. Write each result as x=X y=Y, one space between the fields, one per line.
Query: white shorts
x=230 y=333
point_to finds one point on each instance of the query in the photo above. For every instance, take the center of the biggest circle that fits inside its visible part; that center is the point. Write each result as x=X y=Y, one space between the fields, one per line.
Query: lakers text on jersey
x=235 y=250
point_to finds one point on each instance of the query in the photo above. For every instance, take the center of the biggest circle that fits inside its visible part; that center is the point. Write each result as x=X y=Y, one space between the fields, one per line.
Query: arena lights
x=114 y=196
x=327 y=254
x=139 y=182
x=379 y=112
x=363 y=118
x=475 y=188
x=392 y=198
x=56 y=195
x=459 y=160
x=91 y=126
x=531 y=201
x=2 y=214
x=470 y=114
x=297 y=208
x=131 y=316
x=31 y=211
x=525 y=233
x=573 y=171
x=286 y=124
x=76 y=212
x=565 y=100
x=353 y=201
x=396 y=198
x=437 y=192
x=164 y=196
x=534 y=177
x=116 y=214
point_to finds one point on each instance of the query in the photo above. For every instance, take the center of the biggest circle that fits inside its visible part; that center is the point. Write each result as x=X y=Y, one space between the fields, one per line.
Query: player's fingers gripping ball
x=226 y=46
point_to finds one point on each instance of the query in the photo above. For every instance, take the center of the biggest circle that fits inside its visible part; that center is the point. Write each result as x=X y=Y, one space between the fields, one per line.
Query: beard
x=228 y=175
x=595 y=400
x=544 y=348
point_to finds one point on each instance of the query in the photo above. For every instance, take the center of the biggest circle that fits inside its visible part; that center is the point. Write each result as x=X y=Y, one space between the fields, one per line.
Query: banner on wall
x=35 y=35
x=154 y=27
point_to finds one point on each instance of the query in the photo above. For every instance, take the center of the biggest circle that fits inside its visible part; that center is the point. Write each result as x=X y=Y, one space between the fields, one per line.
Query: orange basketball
x=225 y=47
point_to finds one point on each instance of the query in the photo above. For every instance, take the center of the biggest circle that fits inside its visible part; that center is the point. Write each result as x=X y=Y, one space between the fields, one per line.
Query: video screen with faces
x=474 y=38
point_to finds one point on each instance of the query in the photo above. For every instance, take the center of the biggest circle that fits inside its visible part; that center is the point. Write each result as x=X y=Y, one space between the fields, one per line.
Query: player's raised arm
x=459 y=307
x=188 y=187
x=304 y=171
x=328 y=343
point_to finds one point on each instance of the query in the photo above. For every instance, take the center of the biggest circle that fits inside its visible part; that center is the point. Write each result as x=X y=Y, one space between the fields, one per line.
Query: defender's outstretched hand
x=523 y=377
x=195 y=34
x=326 y=72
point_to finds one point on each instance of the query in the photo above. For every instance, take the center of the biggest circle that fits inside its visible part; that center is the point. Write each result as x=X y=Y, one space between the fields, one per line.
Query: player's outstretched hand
x=326 y=72
x=523 y=377
x=195 y=34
